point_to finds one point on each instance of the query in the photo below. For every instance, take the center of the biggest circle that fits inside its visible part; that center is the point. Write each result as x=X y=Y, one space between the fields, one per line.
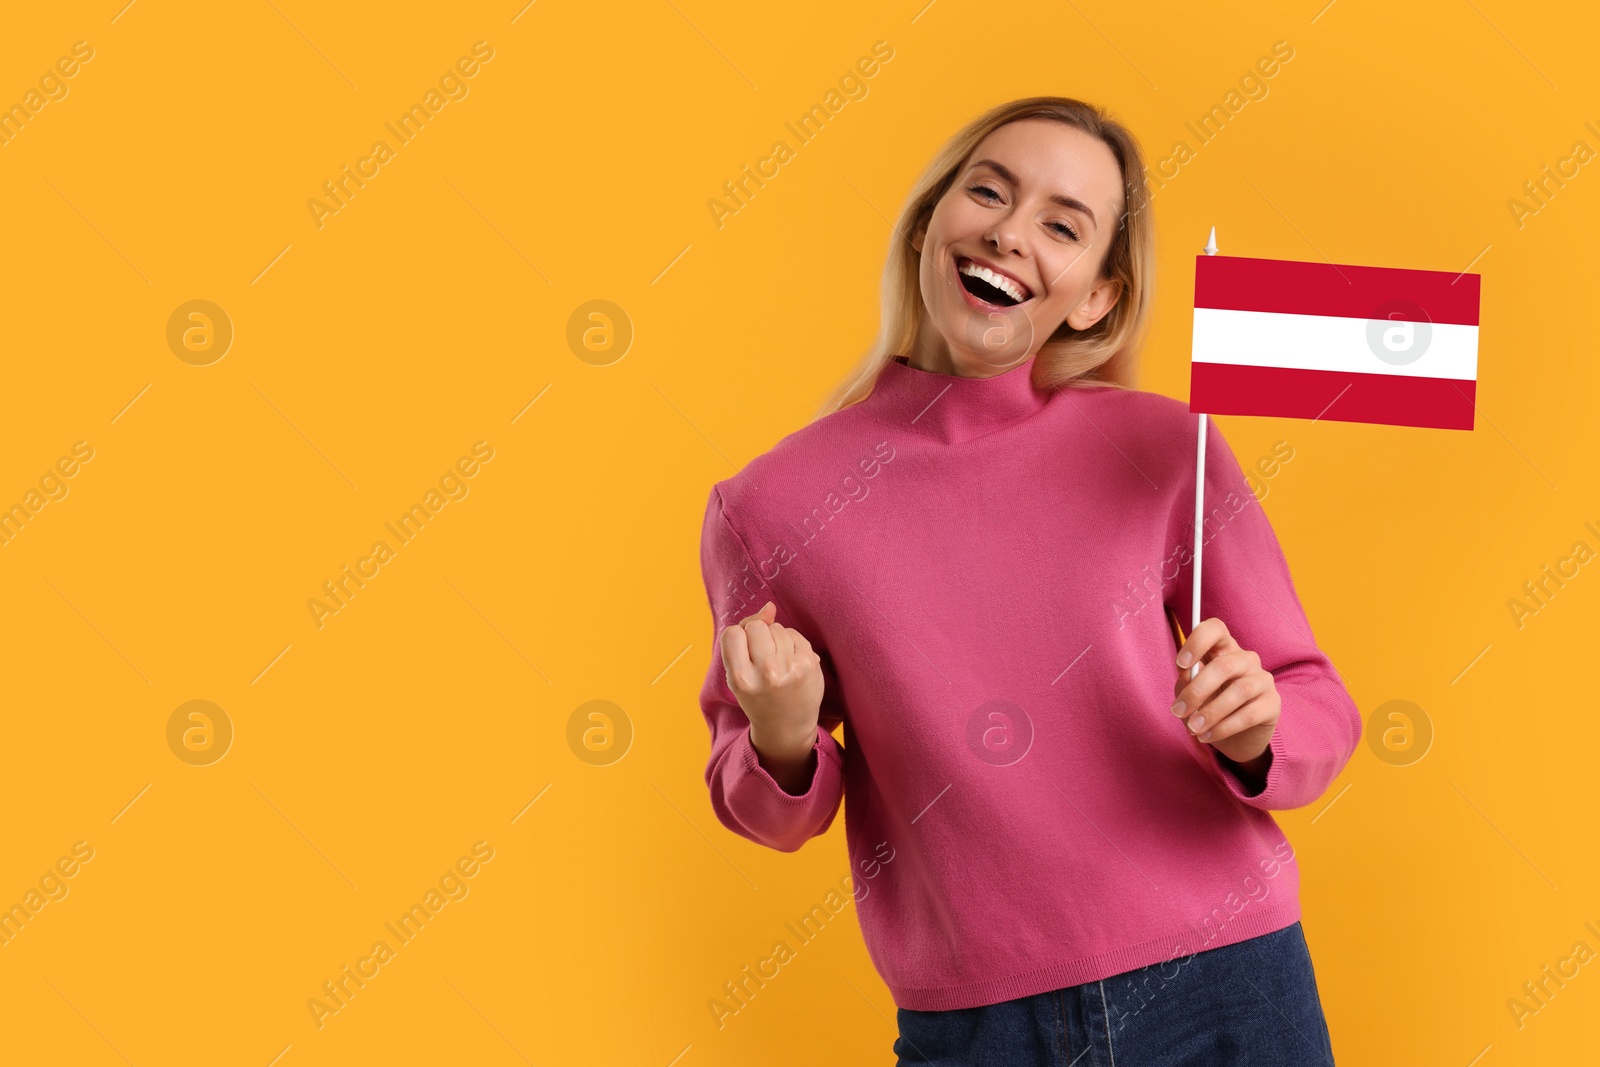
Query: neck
x=932 y=353
x=952 y=407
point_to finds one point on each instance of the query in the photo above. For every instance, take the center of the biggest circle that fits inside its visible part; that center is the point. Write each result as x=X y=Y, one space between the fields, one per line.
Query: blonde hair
x=1105 y=353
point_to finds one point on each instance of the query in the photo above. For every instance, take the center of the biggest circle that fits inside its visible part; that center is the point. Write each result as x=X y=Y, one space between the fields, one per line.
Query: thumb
x=766 y=613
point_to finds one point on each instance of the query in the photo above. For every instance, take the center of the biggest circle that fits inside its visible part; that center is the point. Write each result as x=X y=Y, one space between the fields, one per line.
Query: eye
x=1060 y=227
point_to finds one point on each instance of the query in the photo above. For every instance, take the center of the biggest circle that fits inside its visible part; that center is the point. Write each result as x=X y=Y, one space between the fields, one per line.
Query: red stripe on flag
x=1295 y=287
x=1337 y=396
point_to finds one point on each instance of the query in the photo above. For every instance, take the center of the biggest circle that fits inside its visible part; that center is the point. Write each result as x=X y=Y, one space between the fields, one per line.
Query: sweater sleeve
x=747 y=799
x=1245 y=582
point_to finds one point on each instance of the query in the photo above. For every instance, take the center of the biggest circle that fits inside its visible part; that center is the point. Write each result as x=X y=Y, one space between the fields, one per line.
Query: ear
x=1101 y=299
x=919 y=233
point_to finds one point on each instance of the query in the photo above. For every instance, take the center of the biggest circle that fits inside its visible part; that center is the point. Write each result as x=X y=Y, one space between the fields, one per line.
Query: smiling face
x=1015 y=246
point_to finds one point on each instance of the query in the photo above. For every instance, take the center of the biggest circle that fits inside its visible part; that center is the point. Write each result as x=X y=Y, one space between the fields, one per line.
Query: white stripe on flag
x=1334 y=343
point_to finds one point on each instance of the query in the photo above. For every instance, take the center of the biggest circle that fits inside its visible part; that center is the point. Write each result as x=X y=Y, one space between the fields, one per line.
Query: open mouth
x=989 y=286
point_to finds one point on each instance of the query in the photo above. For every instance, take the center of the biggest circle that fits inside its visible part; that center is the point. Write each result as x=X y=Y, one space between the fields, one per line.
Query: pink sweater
x=985 y=569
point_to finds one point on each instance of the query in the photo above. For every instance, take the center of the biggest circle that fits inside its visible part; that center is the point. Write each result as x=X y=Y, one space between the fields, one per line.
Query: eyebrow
x=1070 y=202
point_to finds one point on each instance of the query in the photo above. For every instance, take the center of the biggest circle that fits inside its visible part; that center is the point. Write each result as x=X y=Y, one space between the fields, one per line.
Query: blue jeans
x=1250 y=1003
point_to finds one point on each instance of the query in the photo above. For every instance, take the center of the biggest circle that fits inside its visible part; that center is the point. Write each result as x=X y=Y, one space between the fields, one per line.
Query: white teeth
x=999 y=281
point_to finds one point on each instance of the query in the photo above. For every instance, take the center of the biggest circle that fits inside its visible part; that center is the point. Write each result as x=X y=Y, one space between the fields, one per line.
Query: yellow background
x=427 y=314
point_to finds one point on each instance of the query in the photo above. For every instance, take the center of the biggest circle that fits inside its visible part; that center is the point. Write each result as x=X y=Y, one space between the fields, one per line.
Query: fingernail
x=1196 y=723
x=1206 y=736
x=1177 y=709
x=1183 y=659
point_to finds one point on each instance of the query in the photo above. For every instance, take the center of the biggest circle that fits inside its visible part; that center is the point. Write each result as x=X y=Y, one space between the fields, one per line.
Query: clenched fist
x=777 y=679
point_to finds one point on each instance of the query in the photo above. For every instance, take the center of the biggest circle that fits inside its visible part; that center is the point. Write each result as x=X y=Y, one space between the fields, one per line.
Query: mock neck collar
x=953 y=408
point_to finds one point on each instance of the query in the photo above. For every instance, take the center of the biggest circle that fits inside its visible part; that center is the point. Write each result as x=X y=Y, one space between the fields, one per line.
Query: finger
x=1211 y=634
x=1213 y=675
x=763 y=650
x=1252 y=713
x=735 y=648
x=1216 y=642
x=1224 y=704
x=763 y=613
x=782 y=642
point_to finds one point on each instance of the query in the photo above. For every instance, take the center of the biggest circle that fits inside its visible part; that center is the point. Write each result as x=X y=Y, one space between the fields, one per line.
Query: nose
x=1003 y=235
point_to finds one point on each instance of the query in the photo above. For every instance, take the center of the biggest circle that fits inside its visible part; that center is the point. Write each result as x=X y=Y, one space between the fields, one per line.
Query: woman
x=973 y=560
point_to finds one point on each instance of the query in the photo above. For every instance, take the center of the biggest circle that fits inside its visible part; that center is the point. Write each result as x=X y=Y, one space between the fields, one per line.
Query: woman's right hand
x=777 y=679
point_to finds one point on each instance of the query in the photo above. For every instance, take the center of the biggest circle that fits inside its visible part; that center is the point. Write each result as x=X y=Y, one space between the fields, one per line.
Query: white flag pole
x=1200 y=495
